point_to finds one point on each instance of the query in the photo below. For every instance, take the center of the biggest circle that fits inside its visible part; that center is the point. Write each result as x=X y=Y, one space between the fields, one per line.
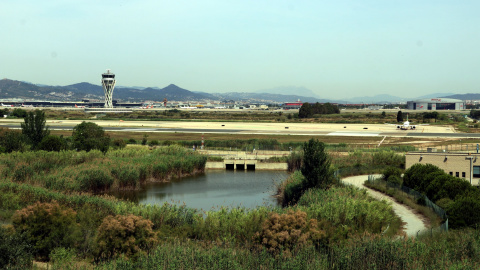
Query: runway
x=307 y=129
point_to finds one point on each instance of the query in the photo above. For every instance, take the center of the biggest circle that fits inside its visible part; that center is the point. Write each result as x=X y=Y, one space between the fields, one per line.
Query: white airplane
x=406 y=125
x=27 y=106
x=221 y=107
x=3 y=105
x=187 y=107
x=81 y=107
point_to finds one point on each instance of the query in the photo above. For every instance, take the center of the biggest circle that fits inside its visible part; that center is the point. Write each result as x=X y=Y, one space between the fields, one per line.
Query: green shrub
x=291 y=189
x=22 y=173
x=47 y=226
x=15 y=250
x=127 y=176
x=294 y=161
x=153 y=143
x=464 y=211
x=52 y=143
x=94 y=180
x=119 y=144
x=391 y=171
x=63 y=258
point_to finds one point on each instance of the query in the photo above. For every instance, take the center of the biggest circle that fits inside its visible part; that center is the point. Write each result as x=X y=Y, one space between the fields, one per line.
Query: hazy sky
x=338 y=49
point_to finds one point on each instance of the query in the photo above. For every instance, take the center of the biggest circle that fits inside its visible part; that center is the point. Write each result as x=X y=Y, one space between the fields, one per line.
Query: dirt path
x=413 y=223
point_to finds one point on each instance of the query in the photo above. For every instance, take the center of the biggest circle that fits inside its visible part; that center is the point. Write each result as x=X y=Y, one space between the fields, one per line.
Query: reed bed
x=349 y=207
x=457 y=250
x=94 y=172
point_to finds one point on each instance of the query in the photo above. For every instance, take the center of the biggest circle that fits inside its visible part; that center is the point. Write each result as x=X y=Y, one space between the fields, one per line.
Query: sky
x=338 y=49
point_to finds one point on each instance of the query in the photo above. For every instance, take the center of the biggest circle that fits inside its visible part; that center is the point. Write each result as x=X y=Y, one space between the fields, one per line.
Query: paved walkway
x=413 y=222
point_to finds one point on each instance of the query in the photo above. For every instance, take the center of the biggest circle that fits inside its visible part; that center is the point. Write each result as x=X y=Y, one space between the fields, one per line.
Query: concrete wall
x=258 y=165
x=456 y=164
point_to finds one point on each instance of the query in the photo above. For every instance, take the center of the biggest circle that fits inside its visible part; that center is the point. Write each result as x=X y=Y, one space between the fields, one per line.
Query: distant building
x=463 y=165
x=436 y=104
x=375 y=107
x=292 y=105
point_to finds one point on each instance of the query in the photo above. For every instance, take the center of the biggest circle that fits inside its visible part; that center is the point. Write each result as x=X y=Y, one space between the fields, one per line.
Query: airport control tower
x=108 y=83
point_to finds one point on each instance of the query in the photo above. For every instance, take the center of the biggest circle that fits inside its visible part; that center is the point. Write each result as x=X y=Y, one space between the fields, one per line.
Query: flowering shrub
x=127 y=235
x=288 y=232
x=47 y=226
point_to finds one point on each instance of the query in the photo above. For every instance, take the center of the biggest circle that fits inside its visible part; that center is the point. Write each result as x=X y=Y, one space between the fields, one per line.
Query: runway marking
x=343 y=133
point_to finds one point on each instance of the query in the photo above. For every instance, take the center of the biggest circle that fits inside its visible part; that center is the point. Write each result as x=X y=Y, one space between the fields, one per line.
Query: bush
x=119 y=144
x=11 y=140
x=22 y=173
x=94 y=180
x=414 y=176
x=291 y=189
x=391 y=171
x=127 y=176
x=53 y=143
x=15 y=251
x=153 y=143
x=62 y=258
x=47 y=226
x=294 y=161
x=464 y=211
x=129 y=235
x=288 y=232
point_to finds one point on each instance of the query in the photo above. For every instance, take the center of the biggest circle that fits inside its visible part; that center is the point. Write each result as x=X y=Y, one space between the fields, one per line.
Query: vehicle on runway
x=27 y=106
x=6 y=105
x=81 y=107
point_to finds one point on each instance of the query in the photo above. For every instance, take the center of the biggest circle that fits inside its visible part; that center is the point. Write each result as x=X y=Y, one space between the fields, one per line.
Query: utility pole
x=471 y=167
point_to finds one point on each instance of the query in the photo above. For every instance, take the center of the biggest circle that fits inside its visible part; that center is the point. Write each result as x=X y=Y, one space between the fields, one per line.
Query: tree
x=399 y=116
x=34 y=127
x=305 y=111
x=316 y=166
x=88 y=136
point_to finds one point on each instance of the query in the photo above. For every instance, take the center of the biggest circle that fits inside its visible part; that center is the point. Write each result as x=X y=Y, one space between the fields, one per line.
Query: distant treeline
x=307 y=110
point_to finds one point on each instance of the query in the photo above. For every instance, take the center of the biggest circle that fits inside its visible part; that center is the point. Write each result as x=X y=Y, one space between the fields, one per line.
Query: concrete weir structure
x=242 y=164
x=243 y=160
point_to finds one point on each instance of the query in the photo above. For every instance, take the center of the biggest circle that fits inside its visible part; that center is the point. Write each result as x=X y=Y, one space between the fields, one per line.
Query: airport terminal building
x=436 y=104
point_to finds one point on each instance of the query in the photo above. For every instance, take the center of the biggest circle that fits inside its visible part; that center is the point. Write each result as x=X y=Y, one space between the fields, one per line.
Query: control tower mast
x=108 y=83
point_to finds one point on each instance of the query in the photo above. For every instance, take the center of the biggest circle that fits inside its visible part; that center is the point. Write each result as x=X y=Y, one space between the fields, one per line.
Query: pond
x=212 y=190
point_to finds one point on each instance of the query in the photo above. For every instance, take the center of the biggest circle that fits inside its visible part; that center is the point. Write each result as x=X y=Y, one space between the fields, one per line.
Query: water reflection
x=213 y=189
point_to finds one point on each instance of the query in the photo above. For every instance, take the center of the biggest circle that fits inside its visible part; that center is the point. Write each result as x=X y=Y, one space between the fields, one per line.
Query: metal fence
x=455 y=147
x=418 y=197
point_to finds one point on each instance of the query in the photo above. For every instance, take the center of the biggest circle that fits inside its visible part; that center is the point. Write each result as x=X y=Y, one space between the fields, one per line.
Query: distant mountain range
x=10 y=89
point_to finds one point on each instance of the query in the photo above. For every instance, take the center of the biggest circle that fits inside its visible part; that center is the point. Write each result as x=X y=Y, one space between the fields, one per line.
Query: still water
x=213 y=189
